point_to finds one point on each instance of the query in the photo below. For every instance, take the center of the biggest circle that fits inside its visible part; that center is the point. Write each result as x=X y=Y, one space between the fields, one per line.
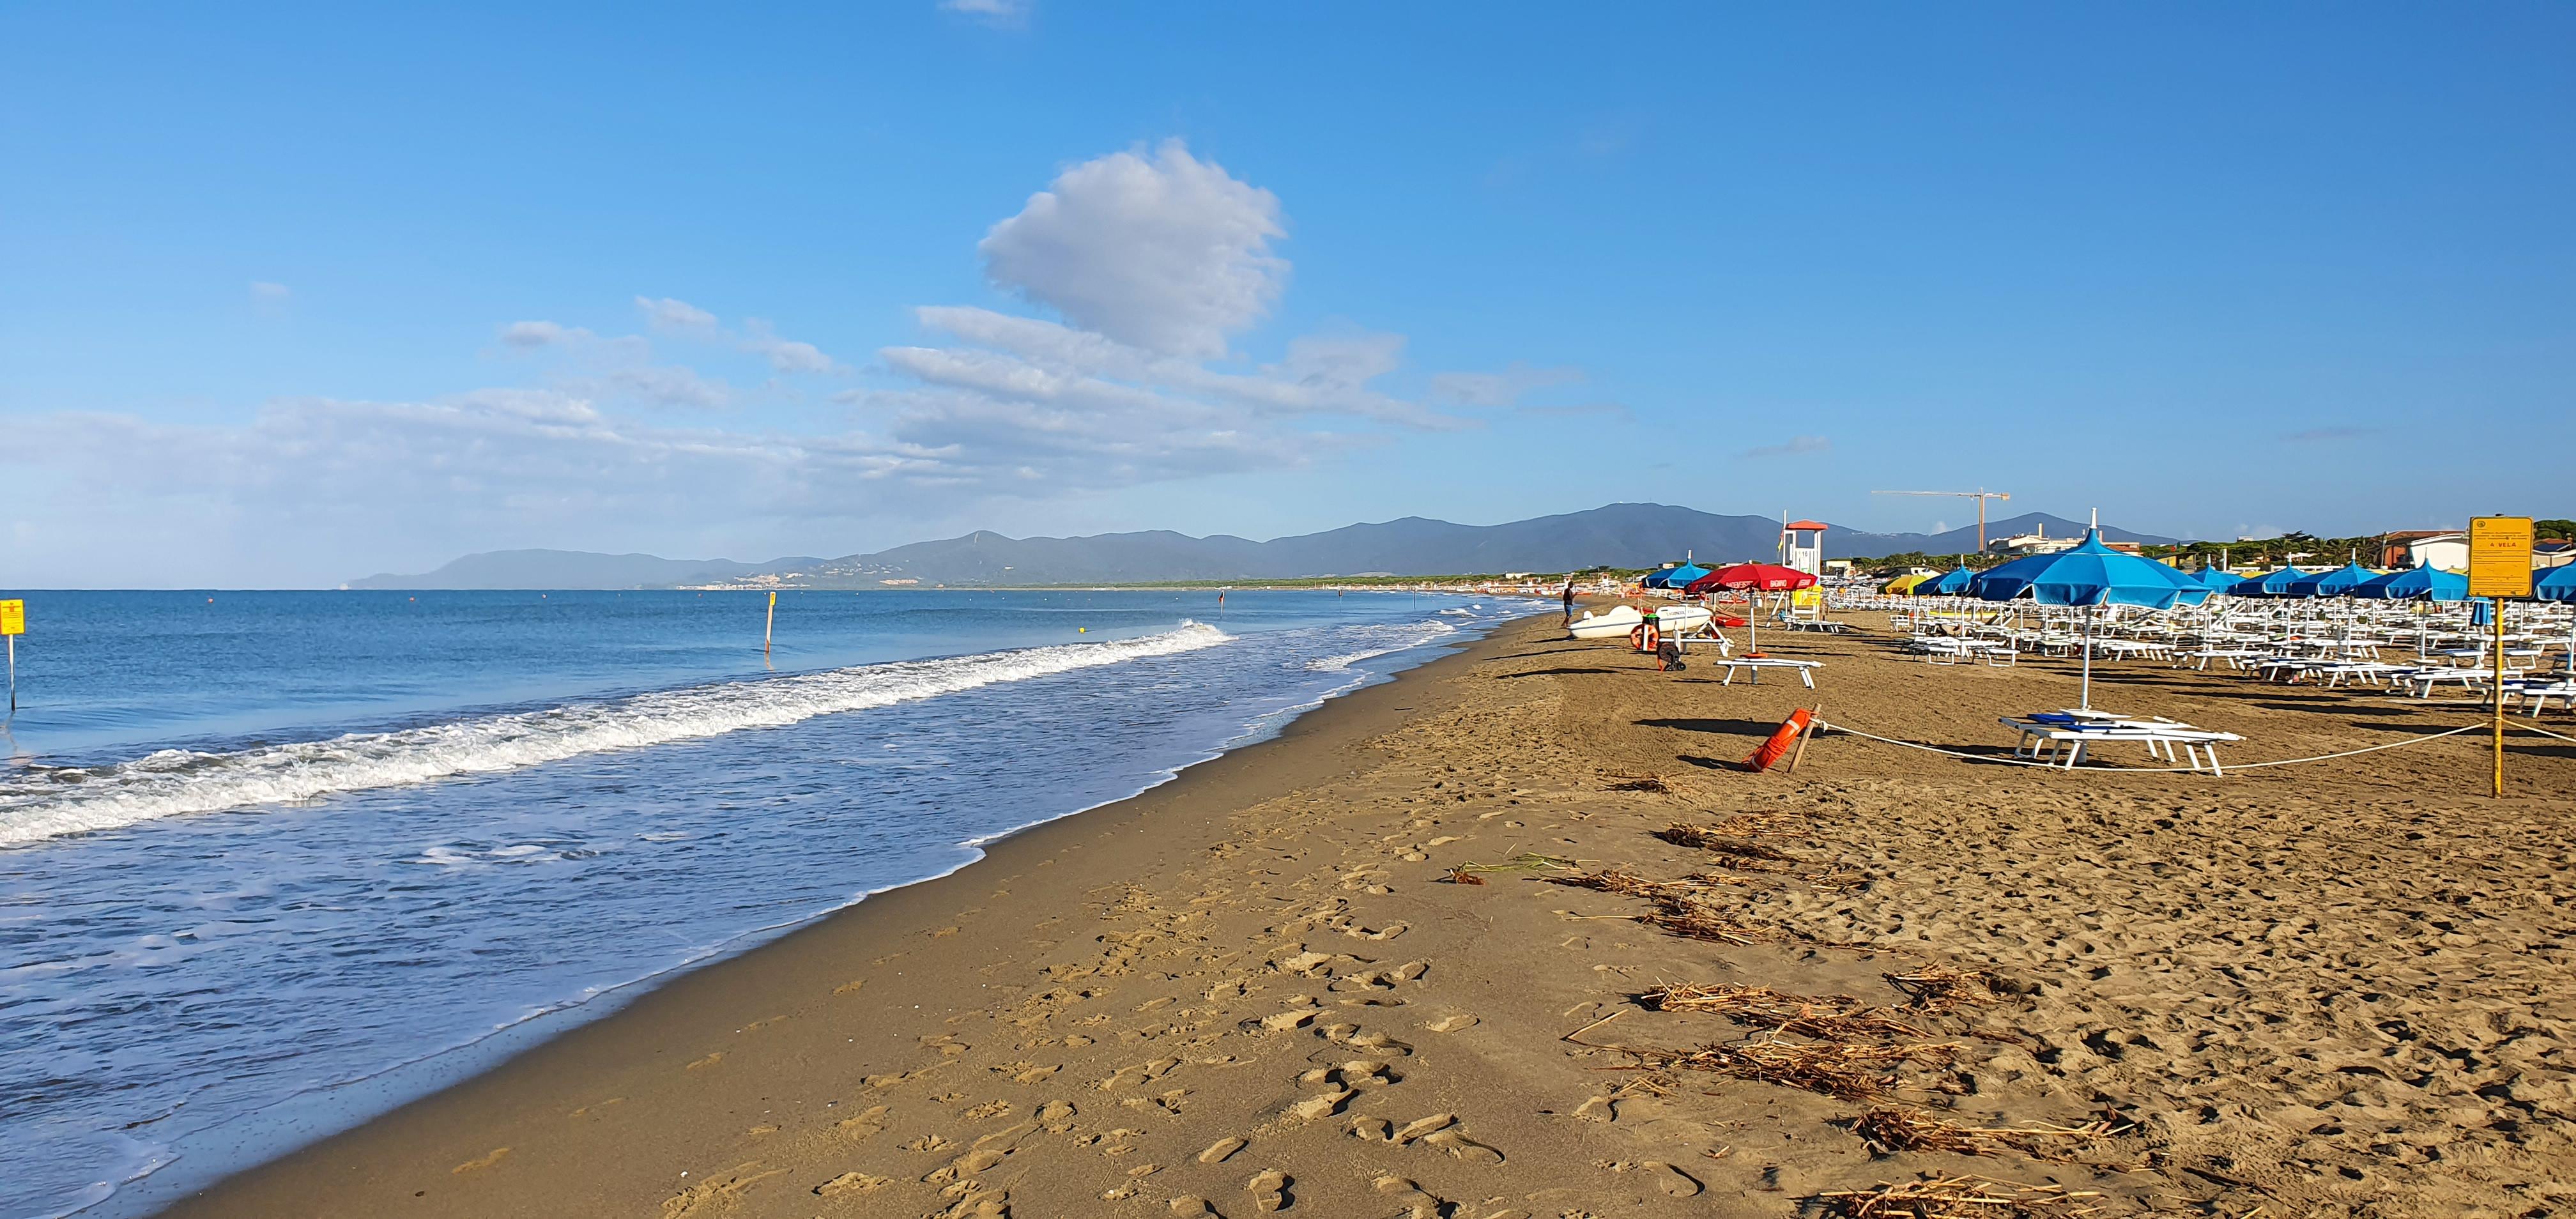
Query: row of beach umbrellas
x=2092 y=574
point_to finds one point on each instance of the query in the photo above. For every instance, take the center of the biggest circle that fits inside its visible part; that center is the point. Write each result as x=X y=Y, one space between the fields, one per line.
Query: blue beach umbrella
x=1949 y=583
x=2428 y=583
x=1675 y=577
x=2558 y=585
x=2336 y=583
x=2089 y=575
x=2219 y=581
x=2269 y=584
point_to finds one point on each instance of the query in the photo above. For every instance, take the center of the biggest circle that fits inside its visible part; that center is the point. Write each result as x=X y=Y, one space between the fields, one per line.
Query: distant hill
x=1618 y=535
x=572 y=569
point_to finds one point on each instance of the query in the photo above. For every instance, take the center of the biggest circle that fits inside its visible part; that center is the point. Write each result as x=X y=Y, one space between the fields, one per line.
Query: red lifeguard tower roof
x=1802 y=525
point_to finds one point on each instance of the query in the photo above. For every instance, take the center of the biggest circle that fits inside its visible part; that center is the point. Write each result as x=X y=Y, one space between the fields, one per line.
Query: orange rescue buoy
x=1773 y=749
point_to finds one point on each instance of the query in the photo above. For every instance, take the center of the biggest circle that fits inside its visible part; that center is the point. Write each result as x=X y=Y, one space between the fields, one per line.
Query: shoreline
x=1417 y=955
x=270 y=1187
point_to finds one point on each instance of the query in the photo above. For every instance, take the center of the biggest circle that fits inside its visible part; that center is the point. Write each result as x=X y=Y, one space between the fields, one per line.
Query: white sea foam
x=52 y=802
x=1398 y=638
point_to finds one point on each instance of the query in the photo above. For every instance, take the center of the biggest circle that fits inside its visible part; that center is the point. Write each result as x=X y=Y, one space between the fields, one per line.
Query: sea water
x=271 y=863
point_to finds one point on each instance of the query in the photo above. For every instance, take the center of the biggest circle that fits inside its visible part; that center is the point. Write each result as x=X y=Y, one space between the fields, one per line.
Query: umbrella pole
x=2086 y=702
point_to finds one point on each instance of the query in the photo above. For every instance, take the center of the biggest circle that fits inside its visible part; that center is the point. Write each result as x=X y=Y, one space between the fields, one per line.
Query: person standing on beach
x=1569 y=601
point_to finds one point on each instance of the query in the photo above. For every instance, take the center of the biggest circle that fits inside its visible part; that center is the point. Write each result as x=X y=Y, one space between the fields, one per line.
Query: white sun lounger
x=2069 y=741
x=1805 y=668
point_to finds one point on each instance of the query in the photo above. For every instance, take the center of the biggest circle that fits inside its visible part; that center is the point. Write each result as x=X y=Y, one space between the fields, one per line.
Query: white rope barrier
x=2529 y=726
x=2160 y=770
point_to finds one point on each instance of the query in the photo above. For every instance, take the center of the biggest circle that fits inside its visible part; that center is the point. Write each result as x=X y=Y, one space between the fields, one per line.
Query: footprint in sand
x=865 y=1125
x=1598 y=1109
x=1220 y=1149
x=1453 y=1024
x=1416 y=1203
x=851 y=1183
x=1460 y=1146
x=1056 y=1116
x=1270 y=1191
x=478 y=1163
x=1669 y=1179
x=1192 y=1206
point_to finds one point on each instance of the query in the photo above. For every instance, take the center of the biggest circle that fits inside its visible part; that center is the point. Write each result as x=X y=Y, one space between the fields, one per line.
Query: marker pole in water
x=771 y=626
x=13 y=623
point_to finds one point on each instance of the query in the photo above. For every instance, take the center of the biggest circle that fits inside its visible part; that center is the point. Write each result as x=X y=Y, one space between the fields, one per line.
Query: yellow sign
x=13 y=617
x=2500 y=556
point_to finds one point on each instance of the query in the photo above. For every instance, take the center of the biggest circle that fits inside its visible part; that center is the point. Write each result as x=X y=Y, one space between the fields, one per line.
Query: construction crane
x=1981 y=495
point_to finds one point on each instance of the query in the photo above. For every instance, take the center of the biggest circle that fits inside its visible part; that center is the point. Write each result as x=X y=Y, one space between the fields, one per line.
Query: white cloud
x=672 y=385
x=1499 y=389
x=1000 y=14
x=987 y=406
x=263 y=292
x=784 y=355
x=679 y=318
x=675 y=316
x=1161 y=251
x=528 y=335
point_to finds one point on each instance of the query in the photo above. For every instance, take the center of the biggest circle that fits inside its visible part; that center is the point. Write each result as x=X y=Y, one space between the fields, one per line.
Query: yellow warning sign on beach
x=2500 y=556
x=13 y=617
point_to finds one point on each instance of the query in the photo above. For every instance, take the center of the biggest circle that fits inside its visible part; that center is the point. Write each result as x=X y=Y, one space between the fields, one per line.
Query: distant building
x=2127 y=547
x=2031 y=543
x=1838 y=567
x=2555 y=552
x=2426 y=548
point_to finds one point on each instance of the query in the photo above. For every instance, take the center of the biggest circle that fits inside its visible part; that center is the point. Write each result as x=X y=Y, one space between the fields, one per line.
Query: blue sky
x=294 y=294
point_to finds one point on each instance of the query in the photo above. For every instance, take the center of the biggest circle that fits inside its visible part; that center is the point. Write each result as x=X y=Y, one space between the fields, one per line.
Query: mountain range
x=1617 y=535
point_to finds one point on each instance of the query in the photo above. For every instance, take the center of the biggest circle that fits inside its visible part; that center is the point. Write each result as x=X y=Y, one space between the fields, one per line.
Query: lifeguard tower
x=1802 y=546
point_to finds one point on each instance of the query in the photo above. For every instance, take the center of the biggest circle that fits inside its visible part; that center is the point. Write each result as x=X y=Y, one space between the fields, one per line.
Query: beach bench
x=1756 y=664
x=2199 y=658
x=2066 y=736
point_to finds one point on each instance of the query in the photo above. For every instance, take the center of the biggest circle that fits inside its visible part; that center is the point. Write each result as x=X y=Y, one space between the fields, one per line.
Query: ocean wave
x=1397 y=638
x=70 y=800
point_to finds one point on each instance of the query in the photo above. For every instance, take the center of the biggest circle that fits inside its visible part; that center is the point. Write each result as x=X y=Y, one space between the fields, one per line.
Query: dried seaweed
x=1823 y=1016
x=1710 y=838
x=1677 y=905
x=1842 y=1071
x=1526 y=861
x=1935 y=989
x=1893 y=1130
x=1462 y=875
x=1947 y=1197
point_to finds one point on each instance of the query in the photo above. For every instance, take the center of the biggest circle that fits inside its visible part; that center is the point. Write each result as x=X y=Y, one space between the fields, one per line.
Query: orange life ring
x=1778 y=746
x=1644 y=637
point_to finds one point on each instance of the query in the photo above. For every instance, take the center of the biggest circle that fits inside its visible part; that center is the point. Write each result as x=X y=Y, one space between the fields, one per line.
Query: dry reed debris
x=1822 y=1016
x=1841 y=1071
x=1936 y=989
x=1947 y=1197
x=1893 y=1130
x=1712 y=838
x=1678 y=908
x=1526 y=861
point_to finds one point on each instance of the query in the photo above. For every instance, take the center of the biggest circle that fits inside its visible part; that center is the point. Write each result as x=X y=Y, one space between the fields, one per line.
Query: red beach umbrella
x=1760 y=577
x=1757 y=577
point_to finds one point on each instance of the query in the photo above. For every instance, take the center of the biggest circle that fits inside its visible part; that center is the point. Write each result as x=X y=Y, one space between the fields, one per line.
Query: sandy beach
x=1513 y=935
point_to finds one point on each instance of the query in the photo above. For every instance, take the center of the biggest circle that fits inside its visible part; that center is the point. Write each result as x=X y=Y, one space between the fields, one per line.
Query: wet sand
x=2336 y=988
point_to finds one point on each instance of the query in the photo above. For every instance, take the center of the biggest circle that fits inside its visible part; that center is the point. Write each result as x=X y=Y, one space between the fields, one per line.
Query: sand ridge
x=1393 y=965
